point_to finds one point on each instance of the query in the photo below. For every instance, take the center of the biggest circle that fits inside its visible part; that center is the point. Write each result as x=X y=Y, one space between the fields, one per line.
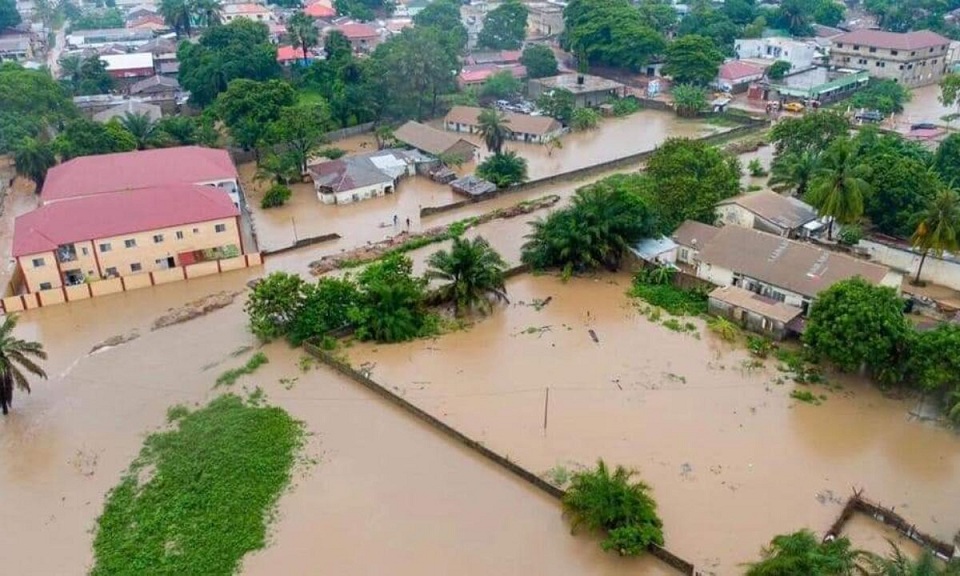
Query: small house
x=523 y=127
x=473 y=187
x=362 y=176
x=587 y=90
x=691 y=237
x=770 y=212
x=435 y=142
x=754 y=312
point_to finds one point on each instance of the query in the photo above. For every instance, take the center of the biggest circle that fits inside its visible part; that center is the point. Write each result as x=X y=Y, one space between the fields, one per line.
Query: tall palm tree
x=143 y=128
x=207 y=12
x=71 y=69
x=938 y=227
x=304 y=33
x=15 y=357
x=838 y=187
x=803 y=553
x=493 y=129
x=33 y=158
x=472 y=270
x=792 y=172
x=177 y=15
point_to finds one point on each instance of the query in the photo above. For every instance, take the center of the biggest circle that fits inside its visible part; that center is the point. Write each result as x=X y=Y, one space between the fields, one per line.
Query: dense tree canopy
x=30 y=100
x=947 y=161
x=9 y=16
x=934 y=363
x=444 y=15
x=539 y=61
x=505 y=27
x=693 y=60
x=86 y=76
x=98 y=20
x=248 y=108
x=610 y=33
x=343 y=81
x=240 y=49
x=886 y=96
x=813 y=131
x=710 y=23
x=83 y=137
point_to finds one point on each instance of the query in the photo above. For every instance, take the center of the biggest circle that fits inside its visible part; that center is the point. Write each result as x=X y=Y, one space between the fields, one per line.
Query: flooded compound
x=731 y=458
x=385 y=492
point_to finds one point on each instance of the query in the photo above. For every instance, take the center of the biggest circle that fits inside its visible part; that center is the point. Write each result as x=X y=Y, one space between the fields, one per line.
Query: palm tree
x=803 y=553
x=207 y=12
x=143 y=128
x=71 y=69
x=838 y=187
x=33 y=158
x=14 y=359
x=304 y=33
x=472 y=269
x=791 y=173
x=553 y=143
x=493 y=129
x=938 y=227
x=280 y=168
x=177 y=15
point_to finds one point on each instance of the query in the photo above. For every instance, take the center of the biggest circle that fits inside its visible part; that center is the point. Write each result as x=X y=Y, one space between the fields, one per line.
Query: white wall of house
x=943 y=271
x=800 y=55
x=229 y=185
x=356 y=194
x=736 y=215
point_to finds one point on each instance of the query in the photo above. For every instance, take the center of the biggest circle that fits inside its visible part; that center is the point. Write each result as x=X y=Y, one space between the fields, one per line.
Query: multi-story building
x=124 y=233
x=800 y=54
x=912 y=58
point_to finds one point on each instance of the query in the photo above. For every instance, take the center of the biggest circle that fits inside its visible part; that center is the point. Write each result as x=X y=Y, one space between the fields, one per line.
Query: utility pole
x=546 y=405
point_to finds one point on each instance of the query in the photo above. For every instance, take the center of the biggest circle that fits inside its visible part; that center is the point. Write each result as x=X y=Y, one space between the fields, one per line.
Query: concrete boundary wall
x=65 y=294
x=671 y=559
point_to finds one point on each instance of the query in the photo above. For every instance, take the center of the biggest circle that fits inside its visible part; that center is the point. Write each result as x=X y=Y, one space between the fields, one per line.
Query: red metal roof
x=480 y=72
x=319 y=10
x=118 y=213
x=736 y=69
x=88 y=175
x=287 y=53
x=355 y=31
x=917 y=40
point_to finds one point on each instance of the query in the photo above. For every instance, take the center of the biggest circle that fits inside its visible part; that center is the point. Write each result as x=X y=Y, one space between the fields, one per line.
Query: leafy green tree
x=274 y=303
x=391 y=306
x=83 y=137
x=755 y=29
x=938 y=228
x=281 y=168
x=740 y=12
x=950 y=90
x=505 y=27
x=494 y=128
x=326 y=306
x=708 y=22
x=240 y=49
x=778 y=69
x=829 y=13
x=142 y=127
x=603 y=220
x=854 y=323
x=795 y=16
x=178 y=15
x=444 y=16
x=471 y=270
x=98 y=20
x=539 y=61
x=33 y=158
x=614 y=504
x=838 y=186
x=9 y=16
x=302 y=128
x=584 y=119
x=85 y=76
x=337 y=47
x=693 y=60
x=886 y=96
x=947 y=162
x=557 y=103
x=900 y=188
x=803 y=553
x=178 y=131
x=16 y=357
x=813 y=131
x=899 y=564
x=207 y=12
x=689 y=99
x=610 y=33
x=791 y=172
x=658 y=14
x=248 y=109
x=501 y=85
x=933 y=365
x=275 y=196
x=505 y=169
x=303 y=32
x=686 y=178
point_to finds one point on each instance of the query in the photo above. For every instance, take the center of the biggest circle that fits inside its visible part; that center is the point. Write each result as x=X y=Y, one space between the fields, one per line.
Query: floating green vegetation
x=807 y=396
x=230 y=377
x=676 y=301
x=799 y=366
x=199 y=496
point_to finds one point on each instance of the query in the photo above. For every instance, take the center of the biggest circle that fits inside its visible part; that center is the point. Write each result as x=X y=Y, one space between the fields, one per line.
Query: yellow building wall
x=78 y=292
x=165 y=276
x=12 y=304
x=137 y=281
x=34 y=276
x=202 y=269
x=104 y=287
x=51 y=297
x=237 y=263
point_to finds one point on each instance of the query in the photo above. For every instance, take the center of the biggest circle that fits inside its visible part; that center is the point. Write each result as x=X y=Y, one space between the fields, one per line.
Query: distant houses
x=588 y=90
x=523 y=127
x=435 y=142
x=363 y=176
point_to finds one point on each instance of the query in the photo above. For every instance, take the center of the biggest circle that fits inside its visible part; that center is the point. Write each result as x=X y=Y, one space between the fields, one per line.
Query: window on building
x=38 y=262
x=893 y=52
x=856 y=46
x=196 y=230
x=135 y=267
x=872 y=49
x=179 y=234
x=157 y=238
x=839 y=44
x=131 y=243
x=220 y=228
x=111 y=271
x=45 y=286
x=105 y=247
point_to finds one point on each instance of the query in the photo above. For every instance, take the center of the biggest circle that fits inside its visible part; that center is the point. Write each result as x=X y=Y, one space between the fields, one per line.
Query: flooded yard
x=732 y=459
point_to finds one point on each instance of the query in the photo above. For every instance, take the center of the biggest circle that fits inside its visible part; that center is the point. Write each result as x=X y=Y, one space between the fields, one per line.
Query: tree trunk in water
x=6 y=393
x=920 y=267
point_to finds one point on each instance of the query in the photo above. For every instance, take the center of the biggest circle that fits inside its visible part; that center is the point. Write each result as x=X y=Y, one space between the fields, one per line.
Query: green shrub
x=332 y=153
x=230 y=377
x=756 y=168
x=674 y=300
x=760 y=346
x=725 y=329
x=276 y=195
x=326 y=306
x=626 y=106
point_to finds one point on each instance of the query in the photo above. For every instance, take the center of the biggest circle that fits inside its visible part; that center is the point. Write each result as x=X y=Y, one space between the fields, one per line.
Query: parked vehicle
x=793 y=107
x=874 y=116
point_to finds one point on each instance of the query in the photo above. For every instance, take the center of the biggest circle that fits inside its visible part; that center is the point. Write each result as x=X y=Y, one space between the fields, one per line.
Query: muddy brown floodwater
x=388 y=495
x=732 y=459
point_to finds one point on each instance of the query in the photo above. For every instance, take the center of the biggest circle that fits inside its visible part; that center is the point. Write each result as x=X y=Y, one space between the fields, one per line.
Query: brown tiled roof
x=694 y=234
x=796 y=266
x=781 y=210
x=762 y=305
x=522 y=123
x=916 y=40
x=426 y=138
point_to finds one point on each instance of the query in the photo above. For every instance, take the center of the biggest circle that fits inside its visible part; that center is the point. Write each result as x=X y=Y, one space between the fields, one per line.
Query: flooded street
x=14 y=201
x=925 y=106
x=732 y=459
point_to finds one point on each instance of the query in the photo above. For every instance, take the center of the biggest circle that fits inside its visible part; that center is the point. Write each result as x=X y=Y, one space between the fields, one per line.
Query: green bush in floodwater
x=199 y=496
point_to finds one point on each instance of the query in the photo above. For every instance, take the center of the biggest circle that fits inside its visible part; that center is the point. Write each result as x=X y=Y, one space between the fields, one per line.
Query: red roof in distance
x=319 y=10
x=356 y=31
x=736 y=69
x=118 y=213
x=88 y=175
x=288 y=53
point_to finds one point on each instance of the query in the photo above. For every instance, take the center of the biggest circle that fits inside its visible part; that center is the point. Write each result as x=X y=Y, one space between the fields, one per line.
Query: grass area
x=674 y=300
x=199 y=496
x=309 y=97
x=230 y=377
x=806 y=396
